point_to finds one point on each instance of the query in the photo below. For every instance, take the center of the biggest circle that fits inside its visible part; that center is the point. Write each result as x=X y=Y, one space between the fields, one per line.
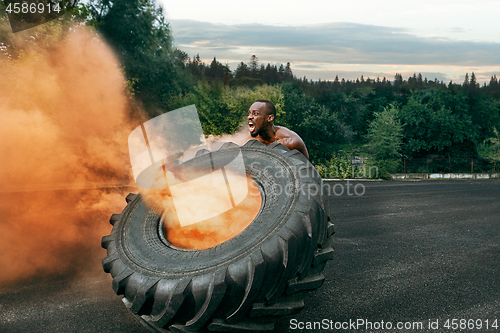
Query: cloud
x=458 y=30
x=335 y=43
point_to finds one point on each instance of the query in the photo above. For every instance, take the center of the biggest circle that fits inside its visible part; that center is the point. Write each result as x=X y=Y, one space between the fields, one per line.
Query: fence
x=446 y=165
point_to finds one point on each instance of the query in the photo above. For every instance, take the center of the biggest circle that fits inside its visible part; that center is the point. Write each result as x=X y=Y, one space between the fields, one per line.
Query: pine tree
x=242 y=70
x=281 y=73
x=473 y=82
x=288 y=70
x=412 y=81
x=254 y=66
x=494 y=86
x=398 y=80
x=493 y=81
x=215 y=71
x=227 y=74
x=196 y=66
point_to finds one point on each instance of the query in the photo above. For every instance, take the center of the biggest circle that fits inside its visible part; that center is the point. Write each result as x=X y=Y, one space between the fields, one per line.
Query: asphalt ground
x=407 y=254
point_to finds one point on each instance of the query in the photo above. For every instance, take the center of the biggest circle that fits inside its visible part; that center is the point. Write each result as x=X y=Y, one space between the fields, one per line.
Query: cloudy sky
x=441 y=39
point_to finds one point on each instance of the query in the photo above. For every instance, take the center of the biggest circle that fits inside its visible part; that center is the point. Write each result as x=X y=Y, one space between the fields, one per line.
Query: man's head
x=260 y=116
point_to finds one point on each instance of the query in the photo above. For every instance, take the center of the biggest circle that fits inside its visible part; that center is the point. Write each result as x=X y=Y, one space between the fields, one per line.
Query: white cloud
x=336 y=43
x=424 y=18
x=342 y=47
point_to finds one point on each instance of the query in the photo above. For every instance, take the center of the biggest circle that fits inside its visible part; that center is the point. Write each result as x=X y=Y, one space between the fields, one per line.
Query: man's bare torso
x=286 y=137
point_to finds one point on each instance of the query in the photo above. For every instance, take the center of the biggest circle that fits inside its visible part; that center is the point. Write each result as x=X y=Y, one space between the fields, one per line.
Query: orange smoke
x=64 y=124
x=65 y=169
x=209 y=232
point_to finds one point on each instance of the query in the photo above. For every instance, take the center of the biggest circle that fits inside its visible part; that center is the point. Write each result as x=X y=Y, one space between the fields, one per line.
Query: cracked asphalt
x=405 y=252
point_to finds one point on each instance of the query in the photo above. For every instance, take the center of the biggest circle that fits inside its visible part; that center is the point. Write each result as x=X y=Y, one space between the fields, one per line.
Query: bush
x=384 y=168
x=340 y=167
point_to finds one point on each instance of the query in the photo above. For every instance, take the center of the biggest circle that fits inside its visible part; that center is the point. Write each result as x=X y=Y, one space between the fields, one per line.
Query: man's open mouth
x=251 y=126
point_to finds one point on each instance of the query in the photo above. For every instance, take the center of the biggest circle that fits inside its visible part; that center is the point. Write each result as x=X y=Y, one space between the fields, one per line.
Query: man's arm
x=297 y=143
x=293 y=141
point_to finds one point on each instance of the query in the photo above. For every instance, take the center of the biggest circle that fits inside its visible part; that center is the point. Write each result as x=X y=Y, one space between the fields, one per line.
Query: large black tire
x=243 y=284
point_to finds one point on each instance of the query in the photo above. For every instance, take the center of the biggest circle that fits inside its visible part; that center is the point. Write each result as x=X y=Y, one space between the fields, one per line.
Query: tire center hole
x=212 y=231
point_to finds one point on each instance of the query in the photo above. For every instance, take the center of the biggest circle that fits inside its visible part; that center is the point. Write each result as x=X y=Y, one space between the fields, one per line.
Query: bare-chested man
x=261 y=125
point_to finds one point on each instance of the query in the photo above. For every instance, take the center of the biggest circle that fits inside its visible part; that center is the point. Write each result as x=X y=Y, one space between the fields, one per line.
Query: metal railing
x=447 y=165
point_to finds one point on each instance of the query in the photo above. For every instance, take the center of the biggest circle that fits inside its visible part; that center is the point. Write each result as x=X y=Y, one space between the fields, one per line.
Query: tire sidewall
x=139 y=244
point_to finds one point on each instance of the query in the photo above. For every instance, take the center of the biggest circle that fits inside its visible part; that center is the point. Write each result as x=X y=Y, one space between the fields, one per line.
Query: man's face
x=258 y=118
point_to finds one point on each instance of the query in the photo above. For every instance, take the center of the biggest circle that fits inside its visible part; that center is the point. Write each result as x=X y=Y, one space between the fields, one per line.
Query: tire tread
x=295 y=256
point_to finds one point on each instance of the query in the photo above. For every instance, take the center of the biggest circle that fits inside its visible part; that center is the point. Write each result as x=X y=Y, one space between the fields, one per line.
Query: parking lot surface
x=412 y=255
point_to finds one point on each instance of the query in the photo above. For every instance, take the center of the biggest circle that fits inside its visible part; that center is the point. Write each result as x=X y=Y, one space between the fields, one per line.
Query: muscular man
x=261 y=125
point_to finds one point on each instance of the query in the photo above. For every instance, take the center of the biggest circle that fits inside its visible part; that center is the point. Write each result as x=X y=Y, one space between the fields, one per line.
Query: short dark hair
x=270 y=106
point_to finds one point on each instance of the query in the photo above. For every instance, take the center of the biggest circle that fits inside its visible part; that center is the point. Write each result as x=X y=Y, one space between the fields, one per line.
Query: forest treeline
x=381 y=118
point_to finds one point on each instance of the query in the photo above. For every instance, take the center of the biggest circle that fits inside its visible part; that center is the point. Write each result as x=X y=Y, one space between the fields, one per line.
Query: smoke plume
x=65 y=119
x=65 y=165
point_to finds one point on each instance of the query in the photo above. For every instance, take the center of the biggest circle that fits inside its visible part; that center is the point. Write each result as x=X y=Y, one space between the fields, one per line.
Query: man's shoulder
x=291 y=140
x=286 y=137
x=285 y=133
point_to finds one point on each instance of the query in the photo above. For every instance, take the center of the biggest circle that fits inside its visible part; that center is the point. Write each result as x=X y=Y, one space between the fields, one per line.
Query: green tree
x=437 y=121
x=318 y=125
x=254 y=66
x=384 y=140
x=398 y=80
x=351 y=108
x=139 y=33
x=490 y=148
x=288 y=71
x=223 y=109
x=473 y=82
x=384 y=134
x=242 y=70
x=466 y=80
x=420 y=81
x=196 y=67
x=216 y=71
